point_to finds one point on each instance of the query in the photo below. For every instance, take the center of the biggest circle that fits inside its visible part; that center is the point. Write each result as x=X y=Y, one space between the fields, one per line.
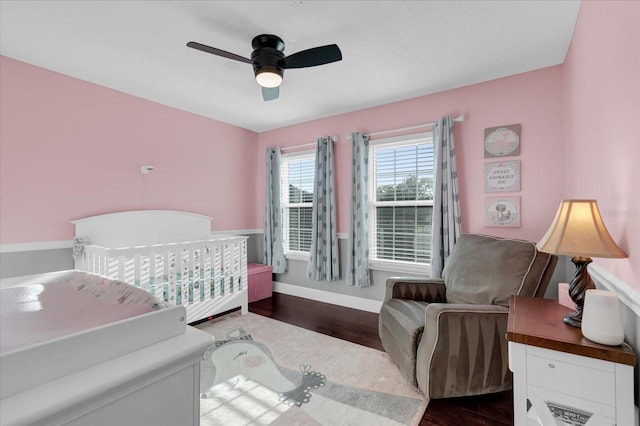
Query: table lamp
x=578 y=231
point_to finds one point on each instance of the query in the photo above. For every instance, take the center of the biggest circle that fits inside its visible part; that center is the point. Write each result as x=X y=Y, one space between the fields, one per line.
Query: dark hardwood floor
x=362 y=328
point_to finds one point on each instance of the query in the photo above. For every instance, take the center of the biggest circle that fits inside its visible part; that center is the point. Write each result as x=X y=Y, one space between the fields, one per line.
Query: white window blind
x=297 y=173
x=401 y=198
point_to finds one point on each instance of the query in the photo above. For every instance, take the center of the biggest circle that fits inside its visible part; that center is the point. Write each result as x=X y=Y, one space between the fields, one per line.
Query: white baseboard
x=626 y=294
x=353 y=302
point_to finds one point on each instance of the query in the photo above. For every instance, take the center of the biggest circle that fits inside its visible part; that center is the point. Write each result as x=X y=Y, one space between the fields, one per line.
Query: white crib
x=172 y=255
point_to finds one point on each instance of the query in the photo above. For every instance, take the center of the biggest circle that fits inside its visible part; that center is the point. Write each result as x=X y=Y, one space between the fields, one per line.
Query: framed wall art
x=502 y=212
x=502 y=176
x=502 y=141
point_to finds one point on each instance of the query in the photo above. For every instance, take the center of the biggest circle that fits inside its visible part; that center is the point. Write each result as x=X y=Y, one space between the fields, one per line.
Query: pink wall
x=71 y=149
x=602 y=130
x=532 y=99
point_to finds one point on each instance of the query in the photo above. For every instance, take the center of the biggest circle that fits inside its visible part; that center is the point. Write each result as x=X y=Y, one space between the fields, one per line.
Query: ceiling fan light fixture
x=269 y=61
x=269 y=78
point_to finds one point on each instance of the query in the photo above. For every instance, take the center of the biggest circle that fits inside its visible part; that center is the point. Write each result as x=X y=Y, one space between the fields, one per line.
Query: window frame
x=284 y=200
x=386 y=264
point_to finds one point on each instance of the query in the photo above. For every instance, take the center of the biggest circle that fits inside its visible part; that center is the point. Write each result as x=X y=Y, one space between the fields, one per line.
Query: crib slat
x=171 y=277
x=180 y=278
x=136 y=269
x=150 y=280
x=92 y=263
x=236 y=266
x=243 y=261
x=200 y=272
x=207 y=272
x=145 y=271
x=185 y=269
x=225 y=268
x=158 y=275
x=121 y=268
x=216 y=270
x=191 y=263
x=103 y=264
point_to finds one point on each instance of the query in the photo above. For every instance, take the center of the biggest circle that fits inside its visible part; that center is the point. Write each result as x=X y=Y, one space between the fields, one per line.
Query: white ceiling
x=392 y=50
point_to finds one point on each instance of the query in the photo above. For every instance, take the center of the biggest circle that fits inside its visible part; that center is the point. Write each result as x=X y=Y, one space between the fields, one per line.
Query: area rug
x=266 y=372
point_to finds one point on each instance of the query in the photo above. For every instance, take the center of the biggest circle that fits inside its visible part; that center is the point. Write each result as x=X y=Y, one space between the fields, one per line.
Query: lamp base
x=574 y=319
x=580 y=283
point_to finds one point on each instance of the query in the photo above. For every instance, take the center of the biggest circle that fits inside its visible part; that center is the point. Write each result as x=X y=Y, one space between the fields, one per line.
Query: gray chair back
x=488 y=270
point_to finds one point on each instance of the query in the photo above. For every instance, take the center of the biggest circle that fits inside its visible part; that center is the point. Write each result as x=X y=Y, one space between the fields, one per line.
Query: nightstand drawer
x=581 y=381
x=553 y=408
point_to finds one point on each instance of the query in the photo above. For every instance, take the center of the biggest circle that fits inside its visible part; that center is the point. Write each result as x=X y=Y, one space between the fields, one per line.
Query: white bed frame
x=170 y=254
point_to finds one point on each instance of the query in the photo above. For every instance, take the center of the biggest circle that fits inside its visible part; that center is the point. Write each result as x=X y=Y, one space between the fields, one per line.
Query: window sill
x=297 y=255
x=403 y=268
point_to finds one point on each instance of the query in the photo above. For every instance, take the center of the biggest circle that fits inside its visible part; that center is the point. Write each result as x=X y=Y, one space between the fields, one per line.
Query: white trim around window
x=304 y=161
x=398 y=169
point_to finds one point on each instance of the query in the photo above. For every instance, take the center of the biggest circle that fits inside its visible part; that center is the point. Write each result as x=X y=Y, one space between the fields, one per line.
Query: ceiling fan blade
x=218 y=52
x=270 y=93
x=311 y=57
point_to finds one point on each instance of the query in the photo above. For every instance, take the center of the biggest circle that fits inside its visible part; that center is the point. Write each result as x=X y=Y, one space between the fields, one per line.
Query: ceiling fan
x=269 y=61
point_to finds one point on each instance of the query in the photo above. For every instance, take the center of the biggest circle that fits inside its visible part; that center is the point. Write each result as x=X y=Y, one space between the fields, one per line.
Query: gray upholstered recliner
x=447 y=336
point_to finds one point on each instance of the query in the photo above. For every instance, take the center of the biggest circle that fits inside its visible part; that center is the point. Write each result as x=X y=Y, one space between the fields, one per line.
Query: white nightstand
x=560 y=375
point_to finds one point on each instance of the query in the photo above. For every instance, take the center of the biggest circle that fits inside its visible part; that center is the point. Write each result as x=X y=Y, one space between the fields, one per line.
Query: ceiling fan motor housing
x=267 y=54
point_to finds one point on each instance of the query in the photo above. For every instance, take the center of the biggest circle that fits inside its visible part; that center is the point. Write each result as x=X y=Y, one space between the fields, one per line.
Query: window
x=401 y=201
x=297 y=173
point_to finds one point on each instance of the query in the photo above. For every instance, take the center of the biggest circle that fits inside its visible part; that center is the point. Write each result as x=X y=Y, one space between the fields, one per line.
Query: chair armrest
x=436 y=310
x=421 y=289
x=463 y=350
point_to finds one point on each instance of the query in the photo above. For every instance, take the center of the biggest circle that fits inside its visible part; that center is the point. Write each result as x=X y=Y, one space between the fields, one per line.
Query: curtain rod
x=459 y=119
x=334 y=139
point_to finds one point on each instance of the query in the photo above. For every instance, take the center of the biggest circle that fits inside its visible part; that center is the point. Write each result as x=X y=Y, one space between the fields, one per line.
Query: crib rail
x=204 y=275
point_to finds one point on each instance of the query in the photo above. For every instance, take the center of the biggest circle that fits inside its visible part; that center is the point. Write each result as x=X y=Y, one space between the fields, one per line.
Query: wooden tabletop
x=538 y=322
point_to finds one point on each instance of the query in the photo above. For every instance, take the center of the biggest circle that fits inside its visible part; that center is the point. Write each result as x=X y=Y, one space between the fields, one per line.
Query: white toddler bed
x=170 y=254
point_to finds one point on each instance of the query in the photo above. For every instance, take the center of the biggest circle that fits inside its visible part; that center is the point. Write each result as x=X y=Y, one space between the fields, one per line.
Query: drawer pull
x=551 y=365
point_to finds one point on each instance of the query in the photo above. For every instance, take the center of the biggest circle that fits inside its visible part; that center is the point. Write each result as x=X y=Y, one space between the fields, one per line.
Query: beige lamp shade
x=578 y=230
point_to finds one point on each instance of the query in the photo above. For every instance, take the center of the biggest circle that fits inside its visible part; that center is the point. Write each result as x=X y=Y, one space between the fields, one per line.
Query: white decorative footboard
x=207 y=275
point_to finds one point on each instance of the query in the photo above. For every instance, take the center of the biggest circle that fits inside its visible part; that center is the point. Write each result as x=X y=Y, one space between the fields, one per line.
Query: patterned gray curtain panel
x=323 y=254
x=358 y=245
x=446 y=207
x=273 y=229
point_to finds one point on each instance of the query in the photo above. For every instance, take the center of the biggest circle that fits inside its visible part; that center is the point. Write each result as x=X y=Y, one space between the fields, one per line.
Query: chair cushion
x=487 y=270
